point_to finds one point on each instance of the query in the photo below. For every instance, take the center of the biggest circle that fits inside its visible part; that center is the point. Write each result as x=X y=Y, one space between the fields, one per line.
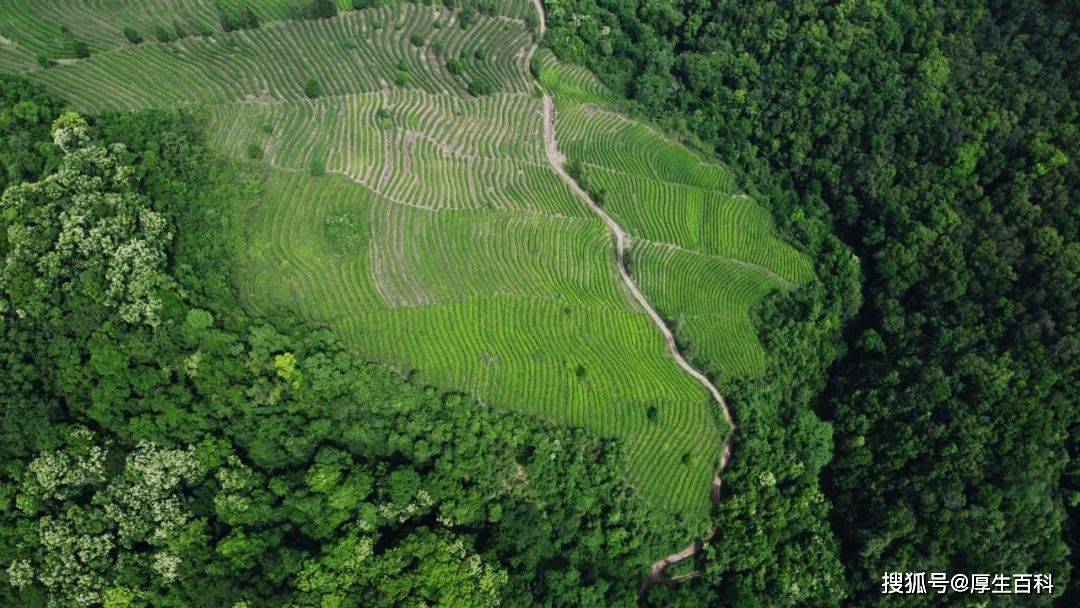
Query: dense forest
x=160 y=447
x=939 y=141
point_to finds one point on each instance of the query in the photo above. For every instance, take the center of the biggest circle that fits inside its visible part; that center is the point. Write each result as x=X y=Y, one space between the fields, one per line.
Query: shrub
x=382 y=116
x=456 y=66
x=438 y=24
x=417 y=39
x=360 y=4
x=204 y=29
x=45 y=62
x=481 y=53
x=583 y=179
x=598 y=194
x=243 y=18
x=81 y=49
x=132 y=35
x=317 y=166
x=179 y=31
x=267 y=128
x=312 y=88
x=467 y=16
x=437 y=47
x=319 y=9
x=574 y=169
x=162 y=34
x=404 y=66
x=481 y=85
x=402 y=79
x=254 y=151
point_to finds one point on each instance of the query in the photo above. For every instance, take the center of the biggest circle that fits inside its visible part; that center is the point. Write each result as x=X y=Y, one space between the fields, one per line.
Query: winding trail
x=658 y=570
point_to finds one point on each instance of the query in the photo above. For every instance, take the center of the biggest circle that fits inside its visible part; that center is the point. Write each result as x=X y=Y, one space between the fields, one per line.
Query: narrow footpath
x=658 y=571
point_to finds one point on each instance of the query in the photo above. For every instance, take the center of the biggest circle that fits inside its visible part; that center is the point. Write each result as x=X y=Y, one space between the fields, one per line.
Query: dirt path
x=622 y=243
x=658 y=571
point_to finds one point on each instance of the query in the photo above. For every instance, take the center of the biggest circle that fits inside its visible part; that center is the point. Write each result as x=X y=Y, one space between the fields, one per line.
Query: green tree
x=132 y=35
x=482 y=85
x=80 y=49
x=26 y=117
x=456 y=66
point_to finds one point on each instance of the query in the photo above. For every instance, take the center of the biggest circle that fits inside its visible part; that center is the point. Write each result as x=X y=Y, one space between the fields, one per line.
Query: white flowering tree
x=82 y=232
x=91 y=536
x=426 y=568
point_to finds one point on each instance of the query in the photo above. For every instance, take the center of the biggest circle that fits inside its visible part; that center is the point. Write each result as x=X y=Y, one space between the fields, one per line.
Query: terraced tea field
x=702 y=252
x=424 y=224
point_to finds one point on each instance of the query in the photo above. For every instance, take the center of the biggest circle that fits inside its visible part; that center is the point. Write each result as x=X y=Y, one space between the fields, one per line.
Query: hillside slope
x=422 y=224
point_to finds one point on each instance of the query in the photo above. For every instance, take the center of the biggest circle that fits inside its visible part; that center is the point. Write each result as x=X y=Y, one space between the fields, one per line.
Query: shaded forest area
x=939 y=141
